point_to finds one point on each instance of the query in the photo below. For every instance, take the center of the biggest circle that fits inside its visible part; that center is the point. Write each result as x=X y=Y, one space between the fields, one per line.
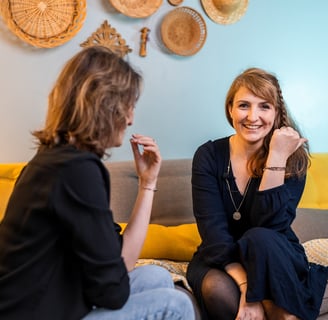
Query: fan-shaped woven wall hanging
x=107 y=36
x=136 y=8
x=45 y=23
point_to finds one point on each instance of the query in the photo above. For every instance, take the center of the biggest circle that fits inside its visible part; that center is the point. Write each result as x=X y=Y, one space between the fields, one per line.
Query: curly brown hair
x=90 y=100
x=266 y=86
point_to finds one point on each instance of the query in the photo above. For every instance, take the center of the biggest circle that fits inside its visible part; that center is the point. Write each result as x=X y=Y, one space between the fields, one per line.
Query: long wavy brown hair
x=90 y=100
x=266 y=86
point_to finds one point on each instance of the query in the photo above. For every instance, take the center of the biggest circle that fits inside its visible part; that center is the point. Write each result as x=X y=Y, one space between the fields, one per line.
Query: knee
x=220 y=295
x=152 y=276
x=259 y=236
x=180 y=305
x=216 y=284
x=209 y=286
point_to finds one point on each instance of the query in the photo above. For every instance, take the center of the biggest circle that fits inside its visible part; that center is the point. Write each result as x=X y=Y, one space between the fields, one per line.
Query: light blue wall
x=182 y=102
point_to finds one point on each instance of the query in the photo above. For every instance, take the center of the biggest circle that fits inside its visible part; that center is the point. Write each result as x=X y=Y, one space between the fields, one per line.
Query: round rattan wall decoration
x=183 y=31
x=46 y=23
x=136 y=8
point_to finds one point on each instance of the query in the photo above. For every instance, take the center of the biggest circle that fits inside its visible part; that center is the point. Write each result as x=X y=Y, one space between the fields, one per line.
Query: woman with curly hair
x=61 y=254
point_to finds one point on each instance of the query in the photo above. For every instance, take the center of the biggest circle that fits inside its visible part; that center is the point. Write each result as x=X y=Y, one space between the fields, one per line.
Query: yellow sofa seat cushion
x=170 y=242
x=8 y=175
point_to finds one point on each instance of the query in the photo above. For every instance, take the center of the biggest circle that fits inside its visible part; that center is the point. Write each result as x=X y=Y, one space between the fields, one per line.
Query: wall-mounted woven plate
x=136 y=8
x=183 y=31
x=46 y=23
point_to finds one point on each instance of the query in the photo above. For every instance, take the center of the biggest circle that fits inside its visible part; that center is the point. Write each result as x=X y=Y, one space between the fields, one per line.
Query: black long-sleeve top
x=60 y=250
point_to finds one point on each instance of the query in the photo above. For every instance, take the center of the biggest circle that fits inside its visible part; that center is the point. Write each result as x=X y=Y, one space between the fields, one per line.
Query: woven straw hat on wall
x=225 y=11
x=45 y=23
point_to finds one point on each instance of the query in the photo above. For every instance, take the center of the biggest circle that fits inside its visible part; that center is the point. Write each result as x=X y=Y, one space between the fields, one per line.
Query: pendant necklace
x=237 y=215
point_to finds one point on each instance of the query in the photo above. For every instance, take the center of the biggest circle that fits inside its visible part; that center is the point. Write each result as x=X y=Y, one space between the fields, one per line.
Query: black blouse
x=60 y=251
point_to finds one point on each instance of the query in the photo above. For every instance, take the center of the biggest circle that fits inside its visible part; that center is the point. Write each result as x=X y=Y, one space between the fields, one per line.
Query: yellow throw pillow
x=170 y=242
x=315 y=195
x=8 y=175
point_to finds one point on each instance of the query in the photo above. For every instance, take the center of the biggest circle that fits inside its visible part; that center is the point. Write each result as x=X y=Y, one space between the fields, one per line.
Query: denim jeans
x=152 y=297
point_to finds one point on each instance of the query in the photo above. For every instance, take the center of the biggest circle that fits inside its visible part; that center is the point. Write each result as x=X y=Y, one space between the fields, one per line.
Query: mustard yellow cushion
x=315 y=192
x=174 y=242
x=8 y=175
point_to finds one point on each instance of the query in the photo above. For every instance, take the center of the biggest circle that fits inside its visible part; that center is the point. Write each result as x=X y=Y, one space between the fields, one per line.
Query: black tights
x=220 y=295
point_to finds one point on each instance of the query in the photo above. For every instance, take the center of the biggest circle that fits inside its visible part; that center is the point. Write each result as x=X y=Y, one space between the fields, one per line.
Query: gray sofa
x=172 y=205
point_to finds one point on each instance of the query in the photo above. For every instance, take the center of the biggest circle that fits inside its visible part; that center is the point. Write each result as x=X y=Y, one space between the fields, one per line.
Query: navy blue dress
x=262 y=240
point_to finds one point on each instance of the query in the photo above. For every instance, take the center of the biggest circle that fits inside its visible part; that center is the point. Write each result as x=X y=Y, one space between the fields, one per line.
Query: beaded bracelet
x=275 y=168
x=150 y=189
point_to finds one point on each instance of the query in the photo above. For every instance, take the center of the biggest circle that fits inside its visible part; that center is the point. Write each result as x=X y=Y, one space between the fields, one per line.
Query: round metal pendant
x=236 y=215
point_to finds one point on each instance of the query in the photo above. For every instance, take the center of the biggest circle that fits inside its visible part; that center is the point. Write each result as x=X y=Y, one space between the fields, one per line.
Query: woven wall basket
x=44 y=24
x=183 y=31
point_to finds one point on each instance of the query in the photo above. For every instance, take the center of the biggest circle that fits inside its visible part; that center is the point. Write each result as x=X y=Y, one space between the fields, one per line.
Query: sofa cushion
x=172 y=203
x=170 y=242
x=310 y=224
x=317 y=251
x=8 y=175
x=315 y=195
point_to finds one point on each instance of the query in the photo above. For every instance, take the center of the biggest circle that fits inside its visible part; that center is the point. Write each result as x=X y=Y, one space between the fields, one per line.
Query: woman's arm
x=275 y=205
x=208 y=184
x=247 y=310
x=147 y=163
x=85 y=226
x=284 y=142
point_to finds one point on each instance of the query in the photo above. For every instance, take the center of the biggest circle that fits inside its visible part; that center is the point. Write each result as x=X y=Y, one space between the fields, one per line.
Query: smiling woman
x=245 y=190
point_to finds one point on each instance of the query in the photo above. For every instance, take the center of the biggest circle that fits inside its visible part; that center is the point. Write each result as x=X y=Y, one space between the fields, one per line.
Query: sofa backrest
x=172 y=202
x=173 y=233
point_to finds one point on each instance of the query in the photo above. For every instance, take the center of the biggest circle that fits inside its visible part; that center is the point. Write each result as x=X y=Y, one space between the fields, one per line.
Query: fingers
x=147 y=144
x=301 y=142
x=290 y=132
x=143 y=140
x=287 y=139
x=287 y=130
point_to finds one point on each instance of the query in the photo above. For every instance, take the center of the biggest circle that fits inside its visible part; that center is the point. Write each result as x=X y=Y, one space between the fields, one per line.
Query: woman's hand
x=147 y=159
x=250 y=310
x=285 y=141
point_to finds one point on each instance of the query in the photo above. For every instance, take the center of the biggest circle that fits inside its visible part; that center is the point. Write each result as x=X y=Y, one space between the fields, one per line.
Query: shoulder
x=212 y=153
x=68 y=162
x=213 y=148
